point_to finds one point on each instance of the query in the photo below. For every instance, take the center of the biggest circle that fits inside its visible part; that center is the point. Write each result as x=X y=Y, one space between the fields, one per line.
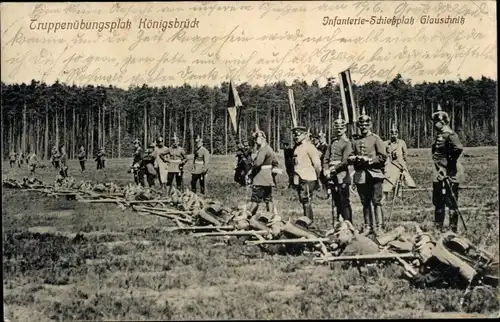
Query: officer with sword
x=336 y=172
x=446 y=150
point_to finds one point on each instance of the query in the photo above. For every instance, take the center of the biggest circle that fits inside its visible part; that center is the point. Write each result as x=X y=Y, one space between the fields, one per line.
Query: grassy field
x=65 y=260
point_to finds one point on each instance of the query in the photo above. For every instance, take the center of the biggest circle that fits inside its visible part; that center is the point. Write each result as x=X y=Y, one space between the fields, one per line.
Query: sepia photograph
x=249 y=160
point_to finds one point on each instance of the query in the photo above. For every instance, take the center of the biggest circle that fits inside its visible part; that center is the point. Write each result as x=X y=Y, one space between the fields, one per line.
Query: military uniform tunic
x=446 y=150
x=138 y=155
x=176 y=159
x=370 y=146
x=336 y=155
x=262 y=166
x=396 y=157
x=307 y=162
x=200 y=160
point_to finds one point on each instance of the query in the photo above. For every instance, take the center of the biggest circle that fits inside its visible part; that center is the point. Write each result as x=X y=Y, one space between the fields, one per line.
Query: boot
x=253 y=208
x=439 y=218
x=379 y=216
x=454 y=221
x=308 y=212
x=347 y=213
x=366 y=227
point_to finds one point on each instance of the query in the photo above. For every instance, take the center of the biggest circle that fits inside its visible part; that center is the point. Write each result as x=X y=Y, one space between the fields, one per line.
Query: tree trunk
x=92 y=127
x=164 y=118
x=453 y=115
x=24 y=127
x=145 y=125
x=184 y=130
x=191 y=130
x=73 y=135
x=211 y=130
x=103 y=126
x=279 y=128
x=46 y=143
x=119 y=134
x=110 y=119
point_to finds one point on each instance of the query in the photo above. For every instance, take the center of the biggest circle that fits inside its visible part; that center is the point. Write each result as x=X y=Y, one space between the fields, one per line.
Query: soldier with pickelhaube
x=147 y=165
x=396 y=151
x=176 y=161
x=243 y=163
x=136 y=163
x=200 y=166
x=307 y=169
x=446 y=150
x=289 y=162
x=368 y=157
x=335 y=169
x=160 y=154
x=261 y=174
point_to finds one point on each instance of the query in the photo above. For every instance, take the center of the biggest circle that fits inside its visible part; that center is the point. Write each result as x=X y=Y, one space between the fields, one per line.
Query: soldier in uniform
x=100 y=159
x=177 y=160
x=336 y=171
x=322 y=145
x=64 y=165
x=396 y=162
x=81 y=158
x=12 y=158
x=147 y=166
x=306 y=170
x=368 y=157
x=261 y=174
x=32 y=162
x=200 y=166
x=289 y=163
x=446 y=150
x=20 y=158
x=160 y=154
x=55 y=157
x=136 y=162
x=243 y=163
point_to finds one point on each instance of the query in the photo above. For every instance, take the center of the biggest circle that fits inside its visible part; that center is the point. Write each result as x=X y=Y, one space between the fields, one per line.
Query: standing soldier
x=160 y=154
x=322 y=145
x=243 y=163
x=81 y=158
x=396 y=163
x=64 y=166
x=336 y=171
x=176 y=161
x=368 y=158
x=20 y=158
x=147 y=166
x=12 y=158
x=261 y=174
x=289 y=163
x=32 y=162
x=200 y=166
x=446 y=150
x=136 y=163
x=55 y=157
x=306 y=170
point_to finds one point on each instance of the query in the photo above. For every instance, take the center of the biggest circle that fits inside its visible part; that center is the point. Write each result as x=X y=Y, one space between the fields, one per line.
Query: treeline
x=37 y=116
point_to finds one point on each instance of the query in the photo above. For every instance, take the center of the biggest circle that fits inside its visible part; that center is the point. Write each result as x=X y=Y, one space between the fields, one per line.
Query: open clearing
x=123 y=267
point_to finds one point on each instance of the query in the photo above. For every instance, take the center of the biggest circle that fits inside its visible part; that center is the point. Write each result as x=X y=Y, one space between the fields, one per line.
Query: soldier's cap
x=151 y=145
x=136 y=141
x=303 y=221
x=322 y=135
x=259 y=133
x=299 y=129
x=159 y=139
x=198 y=139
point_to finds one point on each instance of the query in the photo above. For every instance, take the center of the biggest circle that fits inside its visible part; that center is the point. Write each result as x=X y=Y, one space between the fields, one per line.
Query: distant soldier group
x=166 y=164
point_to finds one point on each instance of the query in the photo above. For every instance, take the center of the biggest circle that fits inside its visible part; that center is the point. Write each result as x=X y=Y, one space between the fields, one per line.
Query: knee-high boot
x=439 y=214
x=454 y=221
x=308 y=212
x=367 y=221
x=379 y=216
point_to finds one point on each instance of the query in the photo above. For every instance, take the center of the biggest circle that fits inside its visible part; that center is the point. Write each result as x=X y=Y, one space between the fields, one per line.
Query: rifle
x=365 y=258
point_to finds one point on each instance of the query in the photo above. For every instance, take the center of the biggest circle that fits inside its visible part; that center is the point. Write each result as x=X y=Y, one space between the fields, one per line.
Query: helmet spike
x=363 y=111
x=339 y=117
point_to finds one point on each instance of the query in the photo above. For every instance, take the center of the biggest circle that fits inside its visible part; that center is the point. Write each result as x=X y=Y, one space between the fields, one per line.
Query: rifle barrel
x=288 y=241
x=377 y=256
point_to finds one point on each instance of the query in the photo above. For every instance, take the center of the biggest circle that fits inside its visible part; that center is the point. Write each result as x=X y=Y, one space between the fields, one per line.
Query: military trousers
x=341 y=202
x=178 y=179
x=370 y=192
x=82 y=165
x=440 y=200
x=195 y=178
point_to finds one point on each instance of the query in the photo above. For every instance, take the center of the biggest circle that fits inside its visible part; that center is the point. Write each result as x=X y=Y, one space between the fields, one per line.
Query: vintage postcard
x=249 y=160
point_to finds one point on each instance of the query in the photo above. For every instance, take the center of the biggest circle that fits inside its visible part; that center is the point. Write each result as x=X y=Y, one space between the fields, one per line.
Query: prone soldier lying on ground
x=451 y=261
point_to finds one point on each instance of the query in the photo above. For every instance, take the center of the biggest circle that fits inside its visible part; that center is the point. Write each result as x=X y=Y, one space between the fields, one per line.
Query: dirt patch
x=57 y=214
x=15 y=313
x=288 y=291
x=43 y=230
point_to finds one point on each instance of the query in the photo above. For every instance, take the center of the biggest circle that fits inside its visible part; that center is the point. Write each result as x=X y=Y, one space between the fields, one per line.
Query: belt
x=199 y=162
x=267 y=166
x=176 y=161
